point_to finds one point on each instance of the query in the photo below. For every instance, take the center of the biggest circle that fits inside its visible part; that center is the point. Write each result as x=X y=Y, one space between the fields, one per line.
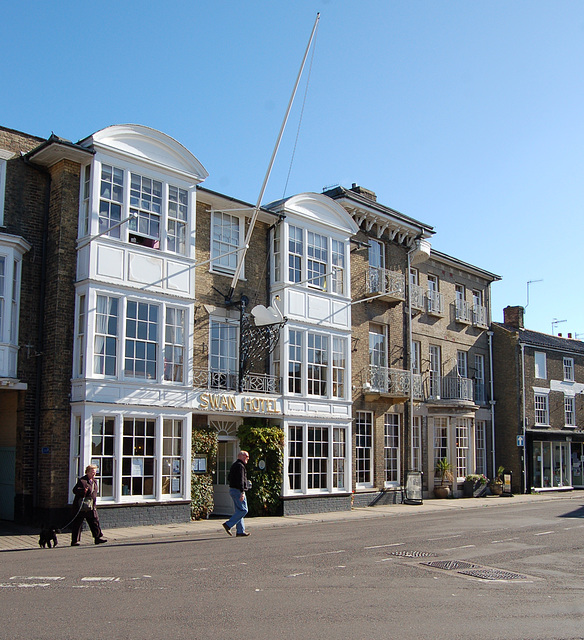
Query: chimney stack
x=513 y=317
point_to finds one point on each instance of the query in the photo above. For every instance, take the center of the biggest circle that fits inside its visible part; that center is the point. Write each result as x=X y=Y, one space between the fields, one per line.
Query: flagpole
x=256 y=210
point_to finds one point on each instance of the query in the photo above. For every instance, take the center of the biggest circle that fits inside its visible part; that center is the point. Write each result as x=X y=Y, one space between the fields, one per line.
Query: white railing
x=479 y=316
x=464 y=311
x=435 y=303
x=457 y=388
x=480 y=392
x=391 y=283
x=417 y=295
x=394 y=382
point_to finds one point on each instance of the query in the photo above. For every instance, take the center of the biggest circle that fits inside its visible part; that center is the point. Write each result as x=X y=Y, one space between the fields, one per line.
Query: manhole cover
x=412 y=554
x=493 y=574
x=449 y=565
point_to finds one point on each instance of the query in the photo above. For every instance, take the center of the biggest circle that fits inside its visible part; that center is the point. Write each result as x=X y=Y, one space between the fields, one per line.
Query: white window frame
x=364 y=449
x=481 y=447
x=568 y=369
x=144 y=340
x=479 y=378
x=378 y=345
x=541 y=409
x=317 y=260
x=316 y=459
x=155 y=213
x=569 y=411
x=462 y=363
x=463 y=441
x=435 y=371
x=416 y=447
x=318 y=366
x=391 y=450
x=339 y=367
x=416 y=357
x=441 y=441
x=225 y=246
x=106 y=337
x=174 y=344
x=224 y=350
x=540 y=360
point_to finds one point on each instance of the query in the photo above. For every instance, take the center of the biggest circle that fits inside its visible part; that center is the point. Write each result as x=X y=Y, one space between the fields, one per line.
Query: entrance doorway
x=577 y=464
x=227 y=449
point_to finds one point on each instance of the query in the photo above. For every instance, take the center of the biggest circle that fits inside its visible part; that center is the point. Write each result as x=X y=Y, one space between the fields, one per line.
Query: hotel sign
x=238 y=403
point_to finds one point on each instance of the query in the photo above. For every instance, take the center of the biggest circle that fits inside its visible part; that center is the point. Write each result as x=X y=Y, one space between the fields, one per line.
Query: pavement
x=14 y=537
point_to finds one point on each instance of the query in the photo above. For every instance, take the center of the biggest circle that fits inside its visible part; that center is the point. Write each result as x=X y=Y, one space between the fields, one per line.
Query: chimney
x=513 y=316
x=366 y=193
x=570 y=336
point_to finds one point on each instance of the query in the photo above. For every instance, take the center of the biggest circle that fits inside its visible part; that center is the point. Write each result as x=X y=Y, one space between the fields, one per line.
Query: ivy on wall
x=265 y=444
x=204 y=443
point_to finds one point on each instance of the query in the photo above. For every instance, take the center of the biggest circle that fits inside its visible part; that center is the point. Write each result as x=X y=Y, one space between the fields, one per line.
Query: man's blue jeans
x=240 y=511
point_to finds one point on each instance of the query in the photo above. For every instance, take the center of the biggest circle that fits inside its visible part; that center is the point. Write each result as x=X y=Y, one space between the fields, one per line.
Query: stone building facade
x=128 y=292
x=539 y=386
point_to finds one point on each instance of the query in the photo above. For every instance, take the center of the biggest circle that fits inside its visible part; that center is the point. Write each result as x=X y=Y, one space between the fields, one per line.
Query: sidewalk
x=15 y=537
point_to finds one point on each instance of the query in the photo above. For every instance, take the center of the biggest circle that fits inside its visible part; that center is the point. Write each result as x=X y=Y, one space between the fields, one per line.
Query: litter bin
x=412 y=491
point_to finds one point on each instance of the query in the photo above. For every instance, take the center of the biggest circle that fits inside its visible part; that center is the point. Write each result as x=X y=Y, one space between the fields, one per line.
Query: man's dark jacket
x=238 y=476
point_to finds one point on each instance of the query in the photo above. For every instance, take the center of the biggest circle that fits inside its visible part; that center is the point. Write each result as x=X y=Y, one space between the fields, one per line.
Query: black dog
x=48 y=535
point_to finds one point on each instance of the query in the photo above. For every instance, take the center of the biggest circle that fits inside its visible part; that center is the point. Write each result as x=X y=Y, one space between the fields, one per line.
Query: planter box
x=474 y=489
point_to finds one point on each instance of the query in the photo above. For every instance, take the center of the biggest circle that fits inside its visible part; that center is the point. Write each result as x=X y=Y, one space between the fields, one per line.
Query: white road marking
x=459 y=535
x=324 y=553
x=294 y=575
x=466 y=546
x=98 y=579
x=504 y=540
x=543 y=533
x=37 y=578
x=382 y=546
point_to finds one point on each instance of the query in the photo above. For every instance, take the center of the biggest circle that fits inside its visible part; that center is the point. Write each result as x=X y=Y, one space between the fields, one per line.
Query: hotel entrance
x=227 y=449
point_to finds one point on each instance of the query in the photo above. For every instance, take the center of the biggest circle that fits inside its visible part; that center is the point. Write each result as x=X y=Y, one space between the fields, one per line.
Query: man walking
x=238 y=485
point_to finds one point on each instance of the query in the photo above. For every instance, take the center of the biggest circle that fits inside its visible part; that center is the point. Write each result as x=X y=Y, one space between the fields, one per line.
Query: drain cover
x=493 y=574
x=449 y=565
x=412 y=554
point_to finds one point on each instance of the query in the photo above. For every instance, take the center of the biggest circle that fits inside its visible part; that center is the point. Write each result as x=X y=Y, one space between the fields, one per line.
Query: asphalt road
x=514 y=572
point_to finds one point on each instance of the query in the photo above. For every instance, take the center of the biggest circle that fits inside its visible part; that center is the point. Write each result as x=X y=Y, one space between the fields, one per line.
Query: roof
x=339 y=192
x=545 y=340
x=455 y=262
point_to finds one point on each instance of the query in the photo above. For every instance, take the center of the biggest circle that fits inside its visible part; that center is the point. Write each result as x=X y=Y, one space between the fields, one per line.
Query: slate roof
x=545 y=340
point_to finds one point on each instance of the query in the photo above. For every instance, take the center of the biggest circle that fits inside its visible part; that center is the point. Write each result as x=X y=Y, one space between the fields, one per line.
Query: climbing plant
x=204 y=443
x=265 y=445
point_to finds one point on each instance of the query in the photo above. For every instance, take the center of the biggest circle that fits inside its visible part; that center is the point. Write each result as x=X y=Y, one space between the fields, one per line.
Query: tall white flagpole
x=256 y=210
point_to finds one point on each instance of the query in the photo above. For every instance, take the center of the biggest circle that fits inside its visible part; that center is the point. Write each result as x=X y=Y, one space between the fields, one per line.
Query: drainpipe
x=523 y=418
x=492 y=395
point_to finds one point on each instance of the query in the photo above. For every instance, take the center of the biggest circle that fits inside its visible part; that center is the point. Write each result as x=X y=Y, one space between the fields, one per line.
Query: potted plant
x=496 y=485
x=444 y=472
x=475 y=485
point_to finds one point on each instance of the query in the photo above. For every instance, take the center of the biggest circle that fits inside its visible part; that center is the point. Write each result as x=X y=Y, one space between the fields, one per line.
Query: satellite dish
x=264 y=316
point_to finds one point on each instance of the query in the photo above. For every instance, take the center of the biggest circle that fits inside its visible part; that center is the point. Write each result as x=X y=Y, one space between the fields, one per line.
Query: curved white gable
x=320 y=209
x=150 y=145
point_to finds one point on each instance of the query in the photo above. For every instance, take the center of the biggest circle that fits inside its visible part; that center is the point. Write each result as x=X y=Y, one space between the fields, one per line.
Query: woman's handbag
x=87 y=505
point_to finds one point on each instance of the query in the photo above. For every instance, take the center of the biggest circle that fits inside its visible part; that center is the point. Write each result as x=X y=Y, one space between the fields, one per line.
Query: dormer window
x=149 y=206
x=146 y=205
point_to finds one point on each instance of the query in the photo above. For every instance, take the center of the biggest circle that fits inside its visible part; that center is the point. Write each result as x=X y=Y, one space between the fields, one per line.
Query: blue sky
x=465 y=115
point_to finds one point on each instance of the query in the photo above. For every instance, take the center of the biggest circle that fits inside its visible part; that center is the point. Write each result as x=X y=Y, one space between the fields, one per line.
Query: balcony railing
x=479 y=316
x=463 y=311
x=392 y=284
x=393 y=382
x=228 y=381
x=417 y=295
x=450 y=388
x=435 y=303
x=480 y=392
